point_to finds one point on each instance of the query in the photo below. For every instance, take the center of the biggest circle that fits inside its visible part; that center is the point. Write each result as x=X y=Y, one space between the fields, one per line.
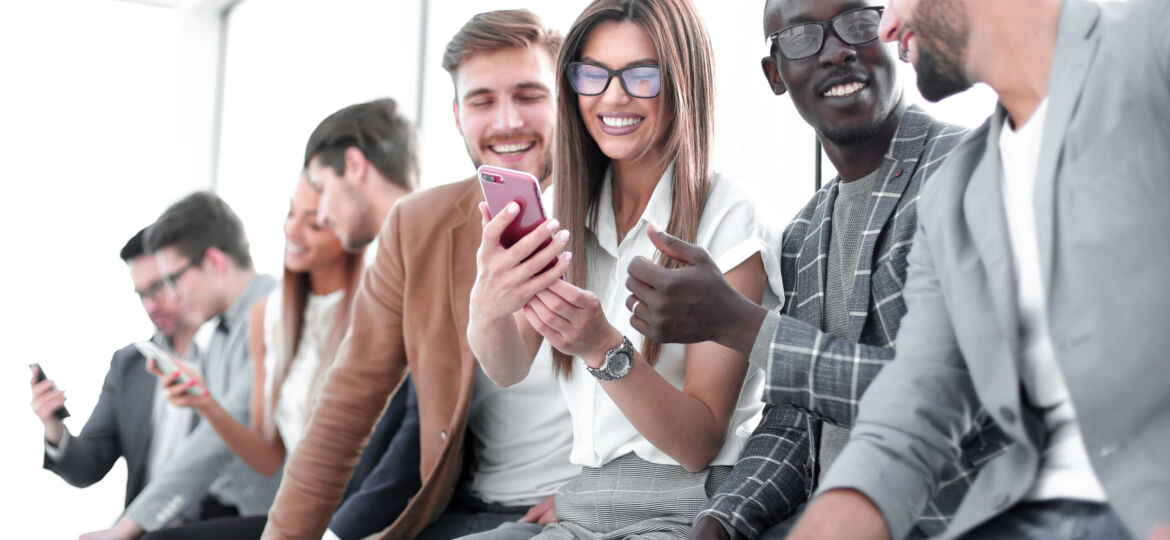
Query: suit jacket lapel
x=465 y=236
x=898 y=167
x=811 y=265
x=1076 y=46
x=138 y=402
x=986 y=218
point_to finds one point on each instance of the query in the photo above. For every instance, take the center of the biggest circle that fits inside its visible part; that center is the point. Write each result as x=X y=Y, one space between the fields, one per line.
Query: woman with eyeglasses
x=656 y=427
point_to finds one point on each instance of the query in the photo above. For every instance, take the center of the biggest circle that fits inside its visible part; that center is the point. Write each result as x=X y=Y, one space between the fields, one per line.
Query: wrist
x=129 y=527
x=739 y=331
x=596 y=358
x=54 y=431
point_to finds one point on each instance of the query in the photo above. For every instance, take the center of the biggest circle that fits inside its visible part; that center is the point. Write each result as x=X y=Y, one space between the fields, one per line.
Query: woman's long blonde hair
x=687 y=123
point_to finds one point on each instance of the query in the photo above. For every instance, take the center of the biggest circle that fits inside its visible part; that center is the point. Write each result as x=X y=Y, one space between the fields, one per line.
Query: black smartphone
x=61 y=413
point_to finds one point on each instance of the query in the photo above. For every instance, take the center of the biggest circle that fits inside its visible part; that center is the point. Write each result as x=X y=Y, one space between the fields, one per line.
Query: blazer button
x=1008 y=415
x=443 y=434
x=1000 y=501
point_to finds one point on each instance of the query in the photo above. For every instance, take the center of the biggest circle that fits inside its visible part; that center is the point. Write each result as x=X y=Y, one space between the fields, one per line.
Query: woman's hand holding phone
x=571 y=319
x=508 y=277
x=178 y=392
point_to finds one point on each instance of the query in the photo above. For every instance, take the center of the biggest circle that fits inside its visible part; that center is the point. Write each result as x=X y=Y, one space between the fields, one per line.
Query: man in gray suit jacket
x=202 y=251
x=130 y=419
x=1037 y=283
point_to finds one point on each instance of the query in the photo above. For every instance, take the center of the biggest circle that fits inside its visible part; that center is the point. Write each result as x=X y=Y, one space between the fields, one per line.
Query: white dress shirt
x=729 y=231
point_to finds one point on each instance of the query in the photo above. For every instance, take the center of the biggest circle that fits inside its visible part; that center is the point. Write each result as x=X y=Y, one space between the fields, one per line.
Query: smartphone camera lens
x=488 y=177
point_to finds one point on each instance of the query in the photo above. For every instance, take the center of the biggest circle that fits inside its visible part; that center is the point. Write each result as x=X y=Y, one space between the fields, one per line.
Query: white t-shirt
x=292 y=409
x=729 y=231
x=1065 y=471
x=521 y=437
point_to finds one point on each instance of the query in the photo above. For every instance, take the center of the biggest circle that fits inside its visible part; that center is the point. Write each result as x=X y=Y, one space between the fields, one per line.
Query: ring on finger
x=634 y=308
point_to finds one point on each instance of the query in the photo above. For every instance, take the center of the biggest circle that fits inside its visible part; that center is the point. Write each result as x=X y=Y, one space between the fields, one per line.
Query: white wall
x=289 y=65
x=88 y=140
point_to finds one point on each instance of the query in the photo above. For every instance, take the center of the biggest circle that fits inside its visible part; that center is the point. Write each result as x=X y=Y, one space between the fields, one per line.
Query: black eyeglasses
x=173 y=277
x=803 y=40
x=152 y=292
x=589 y=79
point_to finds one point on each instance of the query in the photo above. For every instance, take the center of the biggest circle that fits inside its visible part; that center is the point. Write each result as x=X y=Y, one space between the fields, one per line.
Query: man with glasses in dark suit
x=203 y=256
x=131 y=419
x=842 y=261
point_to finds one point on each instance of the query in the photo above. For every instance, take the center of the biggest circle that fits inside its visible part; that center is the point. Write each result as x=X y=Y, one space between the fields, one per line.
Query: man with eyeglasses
x=202 y=253
x=132 y=419
x=1037 y=284
x=842 y=261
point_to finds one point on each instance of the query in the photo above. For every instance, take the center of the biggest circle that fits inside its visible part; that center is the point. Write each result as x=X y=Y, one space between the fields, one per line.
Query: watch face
x=619 y=365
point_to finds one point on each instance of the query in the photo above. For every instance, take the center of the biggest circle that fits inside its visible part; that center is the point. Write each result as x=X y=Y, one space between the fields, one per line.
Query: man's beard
x=939 y=77
x=942 y=37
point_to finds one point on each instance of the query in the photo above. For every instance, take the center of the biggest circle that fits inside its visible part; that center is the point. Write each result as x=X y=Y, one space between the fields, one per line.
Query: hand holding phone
x=60 y=413
x=521 y=251
x=166 y=365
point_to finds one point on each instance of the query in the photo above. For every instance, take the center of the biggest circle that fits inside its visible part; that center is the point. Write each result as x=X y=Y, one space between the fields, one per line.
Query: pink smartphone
x=502 y=186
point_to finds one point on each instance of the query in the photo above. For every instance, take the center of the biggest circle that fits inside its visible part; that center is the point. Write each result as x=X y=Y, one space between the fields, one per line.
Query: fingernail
x=513 y=208
x=563 y=236
x=567 y=256
x=552 y=224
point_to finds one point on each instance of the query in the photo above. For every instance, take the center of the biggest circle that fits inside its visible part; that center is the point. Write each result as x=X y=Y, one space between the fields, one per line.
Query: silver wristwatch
x=617 y=362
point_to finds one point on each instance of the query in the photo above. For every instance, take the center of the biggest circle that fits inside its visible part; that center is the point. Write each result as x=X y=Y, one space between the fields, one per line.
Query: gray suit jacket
x=1102 y=200
x=120 y=426
x=227 y=370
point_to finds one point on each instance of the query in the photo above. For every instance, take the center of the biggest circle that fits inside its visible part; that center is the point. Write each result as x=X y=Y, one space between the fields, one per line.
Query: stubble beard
x=943 y=34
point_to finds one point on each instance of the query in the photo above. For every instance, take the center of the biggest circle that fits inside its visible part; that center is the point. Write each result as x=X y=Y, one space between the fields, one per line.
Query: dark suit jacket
x=120 y=426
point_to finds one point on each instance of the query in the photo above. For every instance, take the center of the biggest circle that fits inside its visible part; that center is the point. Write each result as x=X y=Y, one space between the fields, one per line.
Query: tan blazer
x=410 y=313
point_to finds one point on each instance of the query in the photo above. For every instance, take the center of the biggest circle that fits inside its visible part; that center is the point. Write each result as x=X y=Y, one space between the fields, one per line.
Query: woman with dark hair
x=656 y=426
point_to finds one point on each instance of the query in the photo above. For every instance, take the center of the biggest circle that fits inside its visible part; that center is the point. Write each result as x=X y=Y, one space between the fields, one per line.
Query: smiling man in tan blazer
x=410 y=314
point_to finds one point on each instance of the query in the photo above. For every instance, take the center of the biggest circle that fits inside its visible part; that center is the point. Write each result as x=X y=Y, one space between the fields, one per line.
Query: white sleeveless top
x=292 y=411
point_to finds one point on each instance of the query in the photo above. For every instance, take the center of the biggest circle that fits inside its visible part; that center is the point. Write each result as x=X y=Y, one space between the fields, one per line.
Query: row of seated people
x=602 y=376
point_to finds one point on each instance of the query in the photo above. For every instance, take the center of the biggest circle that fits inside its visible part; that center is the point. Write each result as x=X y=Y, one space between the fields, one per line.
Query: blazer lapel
x=898 y=167
x=986 y=218
x=811 y=267
x=138 y=402
x=1076 y=47
x=465 y=236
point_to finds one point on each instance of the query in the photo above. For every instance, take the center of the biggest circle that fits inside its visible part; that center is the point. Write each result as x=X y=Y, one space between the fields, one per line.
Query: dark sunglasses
x=590 y=79
x=803 y=40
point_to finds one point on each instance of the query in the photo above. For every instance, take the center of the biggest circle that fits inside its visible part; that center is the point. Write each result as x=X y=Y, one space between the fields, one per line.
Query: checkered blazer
x=816 y=377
